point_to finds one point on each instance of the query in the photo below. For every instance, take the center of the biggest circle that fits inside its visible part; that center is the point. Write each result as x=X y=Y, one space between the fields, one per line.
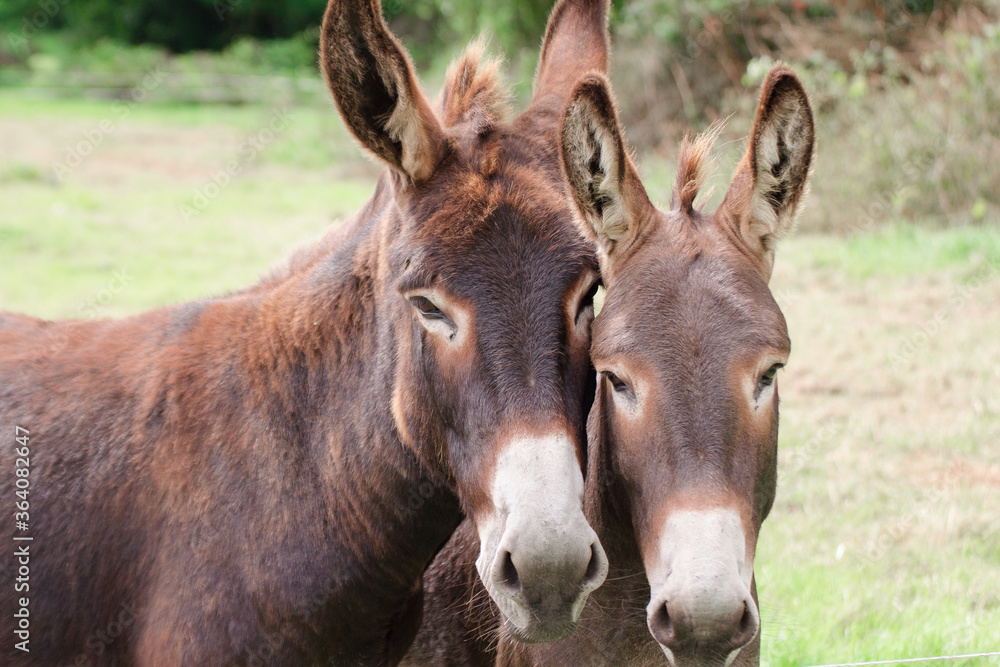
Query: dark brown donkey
x=263 y=478
x=683 y=433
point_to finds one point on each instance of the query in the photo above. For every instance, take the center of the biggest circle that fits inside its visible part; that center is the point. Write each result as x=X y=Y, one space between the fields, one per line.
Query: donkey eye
x=587 y=302
x=767 y=379
x=616 y=382
x=426 y=308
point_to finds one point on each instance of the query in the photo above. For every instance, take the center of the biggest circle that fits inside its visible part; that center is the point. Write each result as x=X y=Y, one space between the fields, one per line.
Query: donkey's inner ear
x=603 y=182
x=772 y=180
x=375 y=89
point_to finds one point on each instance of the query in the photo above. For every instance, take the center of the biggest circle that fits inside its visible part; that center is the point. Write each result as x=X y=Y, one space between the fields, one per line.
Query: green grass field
x=885 y=538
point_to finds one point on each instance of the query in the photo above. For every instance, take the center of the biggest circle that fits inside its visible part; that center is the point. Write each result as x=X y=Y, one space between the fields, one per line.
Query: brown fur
x=688 y=317
x=602 y=177
x=264 y=477
x=473 y=93
x=770 y=186
x=375 y=88
x=693 y=165
x=576 y=40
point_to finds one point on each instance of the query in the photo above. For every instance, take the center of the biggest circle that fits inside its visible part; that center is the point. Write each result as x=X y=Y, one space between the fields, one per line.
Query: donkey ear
x=771 y=181
x=375 y=89
x=603 y=182
x=576 y=42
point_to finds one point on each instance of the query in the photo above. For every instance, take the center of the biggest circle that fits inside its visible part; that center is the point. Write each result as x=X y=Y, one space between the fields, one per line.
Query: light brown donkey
x=683 y=433
x=263 y=478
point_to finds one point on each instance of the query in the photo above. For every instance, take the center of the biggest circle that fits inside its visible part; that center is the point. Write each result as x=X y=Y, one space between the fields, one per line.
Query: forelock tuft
x=473 y=91
x=694 y=164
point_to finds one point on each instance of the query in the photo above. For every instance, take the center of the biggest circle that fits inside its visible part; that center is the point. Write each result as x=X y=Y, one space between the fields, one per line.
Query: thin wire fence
x=910 y=660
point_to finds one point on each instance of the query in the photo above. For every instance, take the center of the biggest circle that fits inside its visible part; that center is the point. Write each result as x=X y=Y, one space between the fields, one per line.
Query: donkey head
x=688 y=345
x=490 y=292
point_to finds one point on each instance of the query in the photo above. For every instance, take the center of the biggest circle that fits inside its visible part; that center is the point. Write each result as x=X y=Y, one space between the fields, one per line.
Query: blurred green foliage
x=906 y=141
x=676 y=21
x=179 y=25
x=904 y=90
x=184 y=25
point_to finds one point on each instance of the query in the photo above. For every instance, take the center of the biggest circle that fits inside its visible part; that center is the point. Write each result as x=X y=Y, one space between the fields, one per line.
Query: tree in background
x=185 y=25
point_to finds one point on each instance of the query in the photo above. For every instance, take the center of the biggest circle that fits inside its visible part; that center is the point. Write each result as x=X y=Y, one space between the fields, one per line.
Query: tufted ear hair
x=771 y=181
x=375 y=89
x=603 y=183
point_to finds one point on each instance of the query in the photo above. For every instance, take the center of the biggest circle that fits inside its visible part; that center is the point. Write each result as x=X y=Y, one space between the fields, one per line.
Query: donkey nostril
x=747 y=628
x=508 y=573
x=662 y=626
x=595 y=567
x=746 y=620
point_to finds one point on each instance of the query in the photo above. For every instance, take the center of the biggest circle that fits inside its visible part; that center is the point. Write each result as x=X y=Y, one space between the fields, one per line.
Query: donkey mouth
x=539 y=559
x=547 y=611
x=706 y=659
x=701 y=610
x=540 y=632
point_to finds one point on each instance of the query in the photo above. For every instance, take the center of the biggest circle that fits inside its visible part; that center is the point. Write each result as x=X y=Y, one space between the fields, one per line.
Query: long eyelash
x=766 y=380
x=588 y=299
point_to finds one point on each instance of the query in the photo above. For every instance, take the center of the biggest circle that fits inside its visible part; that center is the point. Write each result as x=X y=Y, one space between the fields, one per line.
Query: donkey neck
x=328 y=372
x=334 y=317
